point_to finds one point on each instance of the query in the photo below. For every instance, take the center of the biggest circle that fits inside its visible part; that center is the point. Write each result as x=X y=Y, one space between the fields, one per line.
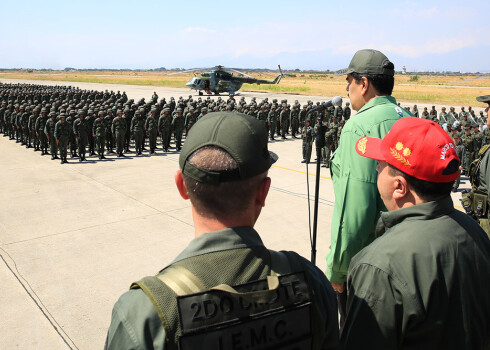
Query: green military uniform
x=357 y=202
x=138 y=131
x=271 y=121
x=62 y=135
x=109 y=136
x=151 y=127
x=82 y=132
x=284 y=122
x=165 y=128
x=32 y=130
x=49 y=131
x=486 y=137
x=40 y=125
x=423 y=284
x=178 y=128
x=294 y=117
x=307 y=135
x=347 y=111
x=330 y=142
x=99 y=132
x=136 y=324
x=469 y=149
x=119 y=127
x=459 y=151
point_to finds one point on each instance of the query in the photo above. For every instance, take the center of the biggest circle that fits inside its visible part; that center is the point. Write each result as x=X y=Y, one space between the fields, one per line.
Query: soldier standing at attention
x=478 y=137
x=178 y=128
x=165 y=127
x=138 y=131
x=415 y=111
x=62 y=135
x=294 y=118
x=73 y=141
x=109 y=136
x=307 y=135
x=271 y=121
x=119 y=130
x=127 y=132
x=469 y=149
x=40 y=125
x=99 y=132
x=370 y=81
x=433 y=114
x=443 y=117
x=49 y=131
x=284 y=119
x=223 y=172
x=262 y=115
x=32 y=128
x=151 y=127
x=347 y=111
x=90 y=125
x=81 y=131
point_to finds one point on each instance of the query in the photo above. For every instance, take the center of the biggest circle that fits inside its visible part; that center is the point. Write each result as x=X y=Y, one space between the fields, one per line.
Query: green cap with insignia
x=242 y=136
x=484 y=99
x=369 y=61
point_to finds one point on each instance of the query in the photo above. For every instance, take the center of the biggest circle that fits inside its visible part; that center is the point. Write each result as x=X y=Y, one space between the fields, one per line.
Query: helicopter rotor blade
x=190 y=70
x=237 y=71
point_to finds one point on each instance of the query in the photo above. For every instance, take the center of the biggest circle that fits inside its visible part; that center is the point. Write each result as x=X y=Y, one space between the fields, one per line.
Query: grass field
x=438 y=89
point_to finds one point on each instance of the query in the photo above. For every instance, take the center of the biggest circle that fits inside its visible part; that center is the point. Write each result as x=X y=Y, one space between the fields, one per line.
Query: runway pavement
x=73 y=237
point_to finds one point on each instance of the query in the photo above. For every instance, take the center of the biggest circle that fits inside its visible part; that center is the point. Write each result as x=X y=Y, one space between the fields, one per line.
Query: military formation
x=64 y=120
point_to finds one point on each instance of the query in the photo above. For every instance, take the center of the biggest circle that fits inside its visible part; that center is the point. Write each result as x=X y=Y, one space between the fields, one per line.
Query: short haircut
x=225 y=199
x=383 y=83
x=428 y=191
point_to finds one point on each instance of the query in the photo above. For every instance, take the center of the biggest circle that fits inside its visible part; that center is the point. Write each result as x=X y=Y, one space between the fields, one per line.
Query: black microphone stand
x=320 y=143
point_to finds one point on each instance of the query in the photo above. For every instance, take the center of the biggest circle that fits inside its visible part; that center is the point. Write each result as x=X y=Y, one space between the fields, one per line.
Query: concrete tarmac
x=73 y=237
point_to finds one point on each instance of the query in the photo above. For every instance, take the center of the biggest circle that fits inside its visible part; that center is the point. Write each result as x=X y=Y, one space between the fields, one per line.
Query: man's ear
x=262 y=191
x=400 y=187
x=179 y=182
x=365 y=85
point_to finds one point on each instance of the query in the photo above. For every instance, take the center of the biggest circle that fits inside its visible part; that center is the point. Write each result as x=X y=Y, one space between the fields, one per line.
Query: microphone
x=336 y=101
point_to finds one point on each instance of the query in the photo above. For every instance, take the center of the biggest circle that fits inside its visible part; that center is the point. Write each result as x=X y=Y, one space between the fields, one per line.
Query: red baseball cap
x=418 y=147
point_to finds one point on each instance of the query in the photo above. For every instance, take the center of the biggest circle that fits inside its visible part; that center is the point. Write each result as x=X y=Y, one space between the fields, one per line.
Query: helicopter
x=219 y=80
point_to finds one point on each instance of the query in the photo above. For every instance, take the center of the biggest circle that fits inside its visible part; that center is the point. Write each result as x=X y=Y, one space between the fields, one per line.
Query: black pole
x=320 y=143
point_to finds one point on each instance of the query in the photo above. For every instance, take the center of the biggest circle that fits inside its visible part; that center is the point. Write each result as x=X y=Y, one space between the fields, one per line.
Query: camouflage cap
x=484 y=99
x=369 y=61
x=242 y=136
x=62 y=115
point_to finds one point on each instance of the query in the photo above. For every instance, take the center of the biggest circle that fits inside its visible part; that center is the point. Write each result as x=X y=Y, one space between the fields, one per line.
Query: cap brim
x=484 y=99
x=274 y=157
x=369 y=147
x=341 y=72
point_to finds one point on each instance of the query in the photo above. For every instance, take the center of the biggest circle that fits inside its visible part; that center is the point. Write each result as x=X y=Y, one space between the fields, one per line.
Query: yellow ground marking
x=301 y=172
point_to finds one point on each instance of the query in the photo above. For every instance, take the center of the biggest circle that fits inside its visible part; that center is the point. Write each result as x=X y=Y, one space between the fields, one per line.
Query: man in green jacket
x=423 y=283
x=223 y=172
x=370 y=79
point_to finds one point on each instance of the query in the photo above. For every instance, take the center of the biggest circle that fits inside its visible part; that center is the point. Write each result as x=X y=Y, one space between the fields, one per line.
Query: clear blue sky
x=421 y=35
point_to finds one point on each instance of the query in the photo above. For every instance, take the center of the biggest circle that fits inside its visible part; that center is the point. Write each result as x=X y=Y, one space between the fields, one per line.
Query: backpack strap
x=280 y=264
x=159 y=288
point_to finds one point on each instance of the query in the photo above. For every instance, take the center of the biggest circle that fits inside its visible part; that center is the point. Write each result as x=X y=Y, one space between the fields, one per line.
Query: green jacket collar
x=425 y=211
x=380 y=100
x=227 y=239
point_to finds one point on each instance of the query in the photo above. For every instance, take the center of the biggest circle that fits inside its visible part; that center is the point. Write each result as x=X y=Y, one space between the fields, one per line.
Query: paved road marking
x=301 y=172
